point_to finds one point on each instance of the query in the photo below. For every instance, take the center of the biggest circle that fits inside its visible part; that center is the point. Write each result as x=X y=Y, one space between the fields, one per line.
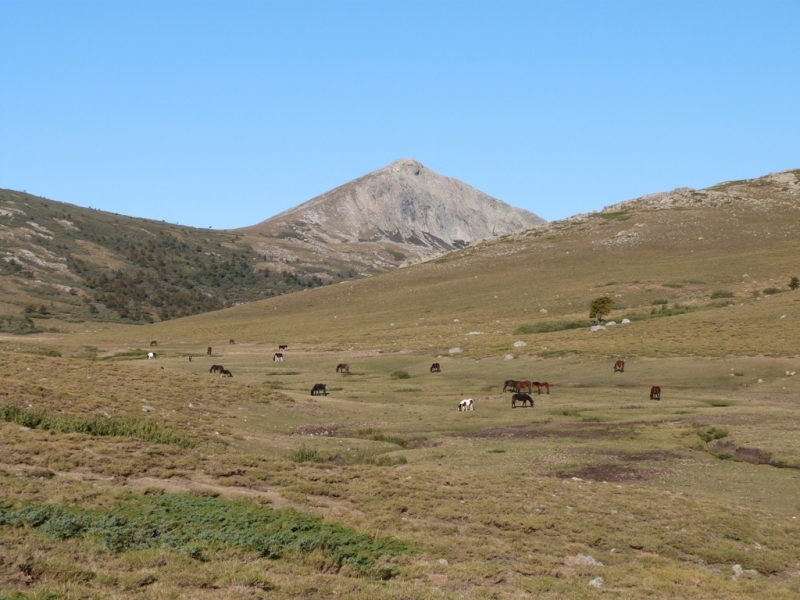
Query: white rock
x=455 y=350
x=455 y=320
x=597 y=327
x=508 y=357
x=609 y=323
x=543 y=310
x=443 y=561
x=760 y=381
x=597 y=582
x=738 y=571
x=625 y=321
x=519 y=344
x=589 y=560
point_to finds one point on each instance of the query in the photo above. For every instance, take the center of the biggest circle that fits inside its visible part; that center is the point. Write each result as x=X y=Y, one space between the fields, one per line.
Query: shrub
x=772 y=290
x=546 y=326
x=721 y=294
x=712 y=433
x=303 y=454
x=400 y=375
x=659 y=302
x=794 y=283
x=192 y=525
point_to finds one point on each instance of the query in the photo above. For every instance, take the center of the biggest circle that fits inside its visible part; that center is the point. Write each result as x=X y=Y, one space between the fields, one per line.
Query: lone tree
x=600 y=307
x=794 y=283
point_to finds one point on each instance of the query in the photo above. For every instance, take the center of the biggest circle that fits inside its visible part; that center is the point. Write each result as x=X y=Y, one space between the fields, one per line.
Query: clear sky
x=225 y=113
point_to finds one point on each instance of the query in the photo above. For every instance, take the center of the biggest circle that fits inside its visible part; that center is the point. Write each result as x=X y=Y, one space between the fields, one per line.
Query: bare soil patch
x=571 y=430
x=611 y=473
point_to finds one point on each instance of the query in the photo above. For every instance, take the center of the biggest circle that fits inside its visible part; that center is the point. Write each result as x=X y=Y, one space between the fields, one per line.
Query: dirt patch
x=754 y=456
x=655 y=455
x=610 y=473
x=572 y=430
x=418 y=443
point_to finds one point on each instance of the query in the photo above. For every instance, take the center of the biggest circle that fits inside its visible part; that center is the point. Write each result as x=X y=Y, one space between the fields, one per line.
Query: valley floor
x=595 y=491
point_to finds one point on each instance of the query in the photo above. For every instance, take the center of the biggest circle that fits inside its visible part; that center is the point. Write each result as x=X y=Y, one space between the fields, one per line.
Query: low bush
x=772 y=290
x=547 y=326
x=93 y=425
x=303 y=454
x=400 y=375
x=659 y=302
x=712 y=433
x=721 y=294
x=195 y=525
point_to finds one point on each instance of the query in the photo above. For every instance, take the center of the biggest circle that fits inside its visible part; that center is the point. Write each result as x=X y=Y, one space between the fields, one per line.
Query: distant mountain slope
x=396 y=215
x=70 y=262
x=697 y=272
x=62 y=260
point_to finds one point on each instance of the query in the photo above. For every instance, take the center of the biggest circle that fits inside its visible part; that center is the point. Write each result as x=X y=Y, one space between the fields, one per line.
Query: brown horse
x=216 y=369
x=655 y=393
x=540 y=385
x=231 y=341
x=283 y=347
x=510 y=384
x=524 y=398
x=436 y=368
x=342 y=368
x=319 y=389
x=153 y=343
x=225 y=373
x=524 y=385
x=619 y=366
x=208 y=351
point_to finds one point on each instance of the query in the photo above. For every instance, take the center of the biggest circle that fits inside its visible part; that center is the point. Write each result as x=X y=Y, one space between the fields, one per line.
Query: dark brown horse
x=655 y=393
x=225 y=373
x=510 y=384
x=342 y=368
x=619 y=366
x=283 y=347
x=319 y=389
x=436 y=368
x=231 y=341
x=153 y=343
x=524 y=398
x=208 y=351
x=216 y=369
x=541 y=385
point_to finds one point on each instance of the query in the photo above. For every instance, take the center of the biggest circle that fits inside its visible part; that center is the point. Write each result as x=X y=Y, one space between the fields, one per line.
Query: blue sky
x=225 y=113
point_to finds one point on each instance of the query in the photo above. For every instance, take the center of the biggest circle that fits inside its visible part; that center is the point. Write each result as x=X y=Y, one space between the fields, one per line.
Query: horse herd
x=521 y=389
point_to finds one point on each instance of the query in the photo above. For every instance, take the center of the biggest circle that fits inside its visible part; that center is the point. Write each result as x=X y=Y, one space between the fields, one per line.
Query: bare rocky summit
x=396 y=215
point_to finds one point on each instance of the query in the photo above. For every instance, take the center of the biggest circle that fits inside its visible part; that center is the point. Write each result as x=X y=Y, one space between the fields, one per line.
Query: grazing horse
x=342 y=368
x=231 y=341
x=225 y=373
x=319 y=389
x=539 y=385
x=436 y=368
x=216 y=369
x=619 y=366
x=655 y=393
x=153 y=343
x=190 y=358
x=510 y=384
x=466 y=404
x=283 y=347
x=151 y=355
x=208 y=351
x=520 y=398
x=524 y=385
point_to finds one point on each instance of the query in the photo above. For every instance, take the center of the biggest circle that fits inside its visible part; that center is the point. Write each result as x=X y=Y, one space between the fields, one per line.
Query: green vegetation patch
x=712 y=433
x=721 y=294
x=194 y=525
x=547 y=326
x=18 y=325
x=93 y=425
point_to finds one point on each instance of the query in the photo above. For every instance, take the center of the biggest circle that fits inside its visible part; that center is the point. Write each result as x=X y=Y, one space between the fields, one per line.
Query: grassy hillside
x=68 y=262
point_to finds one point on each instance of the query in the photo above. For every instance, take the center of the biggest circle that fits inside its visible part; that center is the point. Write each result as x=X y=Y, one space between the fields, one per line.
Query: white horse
x=151 y=355
x=466 y=404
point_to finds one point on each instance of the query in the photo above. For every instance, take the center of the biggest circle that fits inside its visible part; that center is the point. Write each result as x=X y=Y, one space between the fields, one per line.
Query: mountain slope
x=399 y=214
x=705 y=270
